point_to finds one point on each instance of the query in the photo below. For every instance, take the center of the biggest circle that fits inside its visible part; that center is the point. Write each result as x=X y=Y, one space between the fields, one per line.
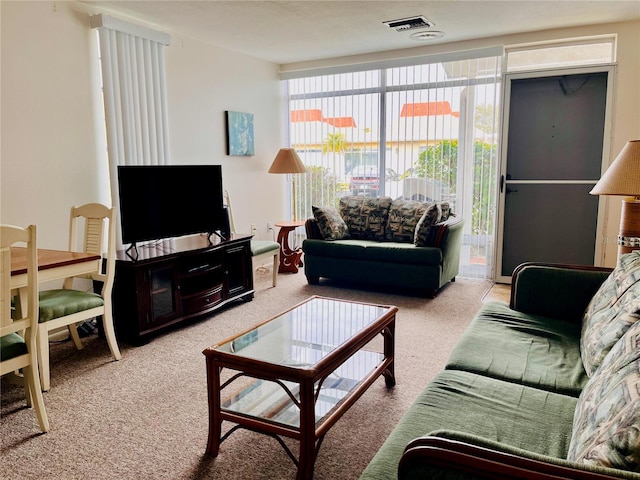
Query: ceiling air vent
x=409 y=23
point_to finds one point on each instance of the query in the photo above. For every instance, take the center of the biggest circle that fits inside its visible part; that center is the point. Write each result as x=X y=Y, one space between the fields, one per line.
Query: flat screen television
x=159 y=202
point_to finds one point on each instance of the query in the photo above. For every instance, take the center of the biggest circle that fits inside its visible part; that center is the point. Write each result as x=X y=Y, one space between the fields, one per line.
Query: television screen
x=170 y=201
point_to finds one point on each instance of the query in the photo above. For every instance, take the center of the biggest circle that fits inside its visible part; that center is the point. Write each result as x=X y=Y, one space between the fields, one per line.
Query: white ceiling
x=296 y=31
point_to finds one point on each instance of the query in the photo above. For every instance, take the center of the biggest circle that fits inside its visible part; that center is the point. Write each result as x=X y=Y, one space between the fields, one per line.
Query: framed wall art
x=240 y=134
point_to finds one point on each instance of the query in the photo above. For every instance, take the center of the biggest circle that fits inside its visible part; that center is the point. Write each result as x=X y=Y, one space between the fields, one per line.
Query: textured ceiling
x=296 y=31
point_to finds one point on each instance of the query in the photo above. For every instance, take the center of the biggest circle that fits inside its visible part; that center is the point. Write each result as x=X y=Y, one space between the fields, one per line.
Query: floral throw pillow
x=330 y=223
x=606 y=424
x=612 y=310
x=430 y=217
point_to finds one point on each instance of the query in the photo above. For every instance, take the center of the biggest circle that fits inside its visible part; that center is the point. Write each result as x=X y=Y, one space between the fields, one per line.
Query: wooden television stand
x=168 y=281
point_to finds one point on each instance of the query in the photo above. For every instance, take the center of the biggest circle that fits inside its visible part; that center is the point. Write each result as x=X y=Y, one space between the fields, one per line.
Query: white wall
x=204 y=81
x=53 y=152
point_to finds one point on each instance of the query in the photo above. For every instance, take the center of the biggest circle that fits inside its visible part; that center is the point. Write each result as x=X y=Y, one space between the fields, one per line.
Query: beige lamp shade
x=623 y=175
x=287 y=161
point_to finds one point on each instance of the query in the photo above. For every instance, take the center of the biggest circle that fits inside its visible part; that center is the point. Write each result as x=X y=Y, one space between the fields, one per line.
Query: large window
x=422 y=132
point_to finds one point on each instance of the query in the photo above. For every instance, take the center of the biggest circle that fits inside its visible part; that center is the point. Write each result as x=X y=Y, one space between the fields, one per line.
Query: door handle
x=501 y=183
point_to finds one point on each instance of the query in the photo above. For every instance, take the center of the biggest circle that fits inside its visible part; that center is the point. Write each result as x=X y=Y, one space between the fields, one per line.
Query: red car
x=365 y=181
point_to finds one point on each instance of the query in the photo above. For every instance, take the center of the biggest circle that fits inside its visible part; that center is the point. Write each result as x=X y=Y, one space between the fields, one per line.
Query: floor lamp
x=288 y=161
x=623 y=178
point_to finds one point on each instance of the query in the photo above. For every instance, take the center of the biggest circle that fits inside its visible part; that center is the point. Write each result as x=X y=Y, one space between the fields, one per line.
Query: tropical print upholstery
x=612 y=310
x=606 y=424
x=330 y=223
x=366 y=218
x=404 y=216
x=431 y=216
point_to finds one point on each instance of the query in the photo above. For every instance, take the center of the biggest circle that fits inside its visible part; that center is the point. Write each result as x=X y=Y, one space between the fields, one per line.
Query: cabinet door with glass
x=161 y=284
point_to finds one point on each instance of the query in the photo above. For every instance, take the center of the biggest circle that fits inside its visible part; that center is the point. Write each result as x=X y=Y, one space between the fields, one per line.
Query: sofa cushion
x=484 y=406
x=431 y=216
x=404 y=216
x=606 y=426
x=522 y=348
x=347 y=248
x=366 y=218
x=330 y=223
x=402 y=253
x=612 y=310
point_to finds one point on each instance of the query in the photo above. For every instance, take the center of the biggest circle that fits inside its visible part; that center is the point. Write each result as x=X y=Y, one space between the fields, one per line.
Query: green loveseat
x=515 y=399
x=378 y=245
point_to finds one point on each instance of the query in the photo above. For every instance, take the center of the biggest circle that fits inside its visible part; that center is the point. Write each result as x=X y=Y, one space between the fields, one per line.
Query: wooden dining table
x=52 y=265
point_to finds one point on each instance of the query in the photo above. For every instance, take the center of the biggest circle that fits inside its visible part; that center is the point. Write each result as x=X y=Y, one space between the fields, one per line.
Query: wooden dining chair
x=68 y=306
x=18 y=336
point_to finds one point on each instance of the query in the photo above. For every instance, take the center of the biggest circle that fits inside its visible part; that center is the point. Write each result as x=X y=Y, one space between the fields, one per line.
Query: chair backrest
x=95 y=216
x=11 y=235
x=227 y=201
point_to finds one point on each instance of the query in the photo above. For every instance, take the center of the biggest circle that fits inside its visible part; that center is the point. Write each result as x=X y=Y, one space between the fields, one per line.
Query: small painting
x=240 y=134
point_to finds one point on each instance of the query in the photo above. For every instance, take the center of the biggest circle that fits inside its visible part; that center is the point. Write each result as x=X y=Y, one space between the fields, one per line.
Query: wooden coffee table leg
x=307 y=457
x=215 y=422
x=389 y=352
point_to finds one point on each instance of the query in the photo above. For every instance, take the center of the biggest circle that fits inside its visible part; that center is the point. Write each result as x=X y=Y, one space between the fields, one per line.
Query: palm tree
x=335 y=143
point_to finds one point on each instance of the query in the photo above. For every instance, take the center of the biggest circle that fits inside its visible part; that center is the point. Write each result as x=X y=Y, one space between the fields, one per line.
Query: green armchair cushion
x=613 y=309
x=600 y=437
x=330 y=223
x=60 y=303
x=12 y=346
x=366 y=218
x=522 y=348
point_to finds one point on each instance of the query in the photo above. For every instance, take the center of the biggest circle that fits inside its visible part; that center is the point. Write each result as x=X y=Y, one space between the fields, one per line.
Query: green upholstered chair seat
x=522 y=348
x=11 y=346
x=258 y=247
x=486 y=407
x=60 y=303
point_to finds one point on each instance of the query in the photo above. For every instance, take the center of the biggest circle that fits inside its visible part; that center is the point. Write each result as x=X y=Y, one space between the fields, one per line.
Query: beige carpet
x=145 y=417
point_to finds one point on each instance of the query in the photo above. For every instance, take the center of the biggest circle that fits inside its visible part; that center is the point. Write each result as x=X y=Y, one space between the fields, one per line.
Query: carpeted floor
x=145 y=416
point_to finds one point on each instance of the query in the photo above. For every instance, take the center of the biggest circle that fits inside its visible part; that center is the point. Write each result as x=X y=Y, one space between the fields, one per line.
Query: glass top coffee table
x=296 y=374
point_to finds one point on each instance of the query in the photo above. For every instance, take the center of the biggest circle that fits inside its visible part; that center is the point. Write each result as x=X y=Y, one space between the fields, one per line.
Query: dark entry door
x=556 y=127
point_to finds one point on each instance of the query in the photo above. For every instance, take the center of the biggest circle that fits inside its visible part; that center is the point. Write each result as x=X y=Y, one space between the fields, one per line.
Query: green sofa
x=380 y=248
x=546 y=387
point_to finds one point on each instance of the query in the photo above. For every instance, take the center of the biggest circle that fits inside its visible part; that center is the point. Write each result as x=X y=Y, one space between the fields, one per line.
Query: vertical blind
x=425 y=132
x=134 y=94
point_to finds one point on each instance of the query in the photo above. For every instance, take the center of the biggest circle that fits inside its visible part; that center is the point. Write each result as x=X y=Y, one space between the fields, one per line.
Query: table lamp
x=623 y=178
x=288 y=161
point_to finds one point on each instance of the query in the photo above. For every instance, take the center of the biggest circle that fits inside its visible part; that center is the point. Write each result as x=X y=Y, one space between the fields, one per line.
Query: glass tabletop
x=303 y=336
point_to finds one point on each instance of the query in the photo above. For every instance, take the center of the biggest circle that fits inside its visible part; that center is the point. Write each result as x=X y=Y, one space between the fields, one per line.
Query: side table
x=290 y=258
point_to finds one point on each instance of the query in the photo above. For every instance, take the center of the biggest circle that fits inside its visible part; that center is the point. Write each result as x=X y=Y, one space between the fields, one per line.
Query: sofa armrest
x=440 y=232
x=440 y=457
x=312 y=230
x=555 y=290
